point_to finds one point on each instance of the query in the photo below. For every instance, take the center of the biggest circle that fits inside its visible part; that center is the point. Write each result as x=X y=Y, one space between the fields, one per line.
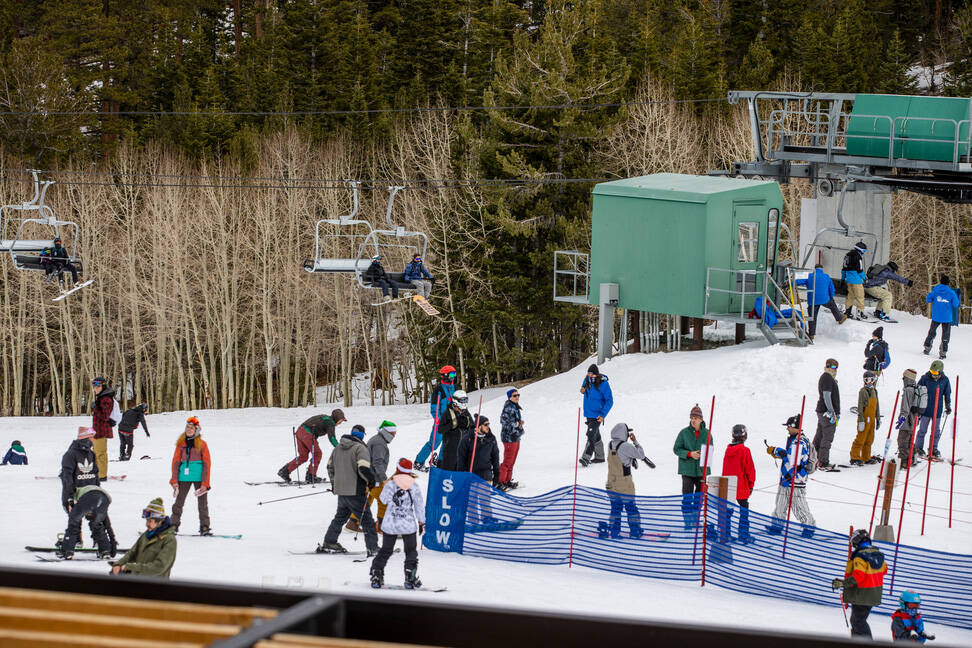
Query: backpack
x=849 y=261
x=116 y=415
x=874 y=271
x=811 y=466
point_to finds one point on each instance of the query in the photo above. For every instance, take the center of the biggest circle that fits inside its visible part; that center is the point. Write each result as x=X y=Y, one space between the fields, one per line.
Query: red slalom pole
x=472 y=459
x=796 y=463
x=877 y=490
x=951 y=483
x=931 y=443
x=904 y=495
x=704 y=509
x=573 y=507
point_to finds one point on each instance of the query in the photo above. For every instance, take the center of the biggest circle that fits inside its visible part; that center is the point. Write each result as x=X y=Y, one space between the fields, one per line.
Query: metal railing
x=574 y=269
x=764 y=286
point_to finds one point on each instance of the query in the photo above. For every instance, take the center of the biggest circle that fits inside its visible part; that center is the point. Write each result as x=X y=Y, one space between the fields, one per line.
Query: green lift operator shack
x=694 y=246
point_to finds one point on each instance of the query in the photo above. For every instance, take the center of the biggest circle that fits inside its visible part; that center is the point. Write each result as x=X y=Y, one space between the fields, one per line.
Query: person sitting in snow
x=154 y=553
x=906 y=622
x=16 y=455
x=404 y=518
x=794 y=469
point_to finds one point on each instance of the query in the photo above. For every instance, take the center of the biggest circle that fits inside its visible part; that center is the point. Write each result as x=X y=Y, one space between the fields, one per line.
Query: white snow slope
x=753 y=383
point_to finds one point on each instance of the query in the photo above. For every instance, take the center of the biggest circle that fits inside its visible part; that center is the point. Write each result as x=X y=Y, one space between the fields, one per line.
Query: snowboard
x=112 y=477
x=390 y=301
x=236 y=536
x=424 y=304
x=90 y=550
x=73 y=290
x=424 y=587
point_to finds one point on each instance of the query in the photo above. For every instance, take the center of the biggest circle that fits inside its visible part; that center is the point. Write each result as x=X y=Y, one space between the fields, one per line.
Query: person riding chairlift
x=376 y=276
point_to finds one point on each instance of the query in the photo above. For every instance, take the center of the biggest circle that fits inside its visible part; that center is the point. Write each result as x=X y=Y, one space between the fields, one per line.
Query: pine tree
x=958 y=78
x=895 y=74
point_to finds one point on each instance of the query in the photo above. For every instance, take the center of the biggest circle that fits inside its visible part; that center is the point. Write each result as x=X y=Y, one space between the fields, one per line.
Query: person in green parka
x=154 y=552
x=688 y=448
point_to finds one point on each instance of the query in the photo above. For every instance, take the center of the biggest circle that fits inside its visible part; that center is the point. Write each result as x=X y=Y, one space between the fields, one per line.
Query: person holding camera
x=624 y=453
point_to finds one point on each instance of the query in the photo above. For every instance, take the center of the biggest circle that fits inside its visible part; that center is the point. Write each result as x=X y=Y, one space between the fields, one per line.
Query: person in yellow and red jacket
x=863 y=581
x=190 y=468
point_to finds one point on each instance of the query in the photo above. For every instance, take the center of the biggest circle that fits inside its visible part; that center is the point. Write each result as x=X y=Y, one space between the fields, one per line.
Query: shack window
x=748 y=242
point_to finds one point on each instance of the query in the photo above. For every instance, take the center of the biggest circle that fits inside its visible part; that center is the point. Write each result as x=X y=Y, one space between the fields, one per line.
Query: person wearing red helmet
x=440 y=400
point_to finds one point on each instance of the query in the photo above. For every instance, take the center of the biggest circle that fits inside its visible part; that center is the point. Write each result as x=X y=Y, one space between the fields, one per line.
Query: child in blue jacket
x=16 y=455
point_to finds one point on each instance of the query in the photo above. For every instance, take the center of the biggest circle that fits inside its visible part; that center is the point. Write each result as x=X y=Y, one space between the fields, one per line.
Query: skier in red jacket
x=738 y=461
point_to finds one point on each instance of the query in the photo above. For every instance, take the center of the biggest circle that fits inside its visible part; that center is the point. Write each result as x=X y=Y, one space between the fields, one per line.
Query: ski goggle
x=451 y=374
x=870 y=380
x=417 y=258
x=149 y=514
x=461 y=401
x=933 y=372
x=96 y=383
x=193 y=420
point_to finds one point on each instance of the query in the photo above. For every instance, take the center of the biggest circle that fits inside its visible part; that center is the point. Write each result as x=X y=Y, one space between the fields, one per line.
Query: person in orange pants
x=868 y=415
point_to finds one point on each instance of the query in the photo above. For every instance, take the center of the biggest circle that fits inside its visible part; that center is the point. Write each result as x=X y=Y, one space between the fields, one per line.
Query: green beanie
x=388 y=425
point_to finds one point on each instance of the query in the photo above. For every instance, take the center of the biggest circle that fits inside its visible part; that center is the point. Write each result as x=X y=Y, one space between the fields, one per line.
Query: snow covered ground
x=753 y=383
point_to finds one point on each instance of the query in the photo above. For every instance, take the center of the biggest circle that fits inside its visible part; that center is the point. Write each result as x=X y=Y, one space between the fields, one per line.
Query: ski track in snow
x=753 y=383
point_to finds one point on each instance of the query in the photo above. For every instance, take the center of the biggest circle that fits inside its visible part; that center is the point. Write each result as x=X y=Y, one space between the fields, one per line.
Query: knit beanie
x=404 y=467
x=878 y=332
x=944 y=280
x=910 y=373
x=358 y=431
x=338 y=415
x=155 y=509
x=593 y=370
x=696 y=411
x=85 y=432
x=388 y=425
x=510 y=392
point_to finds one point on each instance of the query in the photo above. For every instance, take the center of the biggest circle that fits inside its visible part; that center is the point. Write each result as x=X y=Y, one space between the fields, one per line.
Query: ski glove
x=771 y=451
x=832 y=417
x=911 y=282
x=837 y=583
x=929 y=637
x=897 y=426
x=421 y=528
x=948 y=409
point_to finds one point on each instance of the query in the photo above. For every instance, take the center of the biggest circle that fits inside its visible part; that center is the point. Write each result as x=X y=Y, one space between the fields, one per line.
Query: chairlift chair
x=26 y=253
x=364 y=244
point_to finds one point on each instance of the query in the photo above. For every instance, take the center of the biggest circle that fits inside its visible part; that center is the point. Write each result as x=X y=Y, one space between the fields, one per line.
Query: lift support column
x=607 y=302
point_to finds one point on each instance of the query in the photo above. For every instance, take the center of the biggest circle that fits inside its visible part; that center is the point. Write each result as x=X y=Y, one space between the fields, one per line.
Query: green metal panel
x=656 y=235
x=912 y=118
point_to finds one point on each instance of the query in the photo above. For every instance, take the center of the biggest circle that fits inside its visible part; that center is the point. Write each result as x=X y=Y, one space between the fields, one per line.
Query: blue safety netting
x=538 y=530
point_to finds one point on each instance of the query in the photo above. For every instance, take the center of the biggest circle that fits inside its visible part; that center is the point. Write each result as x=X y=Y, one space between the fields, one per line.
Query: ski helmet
x=739 y=432
x=909 y=602
x=869 y=377
x=461 y=399
x=447 y=374
x=860 y=536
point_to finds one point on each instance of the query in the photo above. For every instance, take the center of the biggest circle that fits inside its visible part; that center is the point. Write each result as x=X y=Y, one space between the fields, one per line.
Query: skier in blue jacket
x=944 y=301
x=597 y=403
x=820 y=293
x=415 y=273
x=441 y=397
x=854 y=276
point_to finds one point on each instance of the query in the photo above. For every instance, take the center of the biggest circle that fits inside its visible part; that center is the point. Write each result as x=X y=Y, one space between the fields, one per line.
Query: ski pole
x=951 y=483
x=472 y=459
x=932 y=446
x=775 y=462
x=884 y=460
x=361 y=516
x=293 y=432
x=793 y=474
x=435 y=428
x=293 y=497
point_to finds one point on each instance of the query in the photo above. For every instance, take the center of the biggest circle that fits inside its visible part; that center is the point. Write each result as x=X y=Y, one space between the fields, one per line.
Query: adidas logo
x=85 y=466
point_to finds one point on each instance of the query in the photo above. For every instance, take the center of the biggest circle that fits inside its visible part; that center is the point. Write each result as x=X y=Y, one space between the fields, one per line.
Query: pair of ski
x=73 y=290
x=365 y=555
x=280 y=482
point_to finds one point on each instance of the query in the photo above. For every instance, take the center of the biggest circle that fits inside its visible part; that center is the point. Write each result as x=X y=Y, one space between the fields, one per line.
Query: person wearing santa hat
x=405 y=518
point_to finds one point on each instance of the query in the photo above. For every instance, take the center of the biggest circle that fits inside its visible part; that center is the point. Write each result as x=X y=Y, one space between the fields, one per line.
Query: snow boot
x=421 y=467
x=411 y=579
x=205 y=531
x=807 y=532
x=875 y=460
x=371 y=553
x=597 y=460
x=602 y=530
x=312 y=479
x=330 y=548
x=919 y=452
x=637 y=533
x=284 y=474
x=510 y=485
x=856 y=462
x=774 y=529
x=584 y=461
x=377 y=578
x=927 y=350
x=941 y=355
